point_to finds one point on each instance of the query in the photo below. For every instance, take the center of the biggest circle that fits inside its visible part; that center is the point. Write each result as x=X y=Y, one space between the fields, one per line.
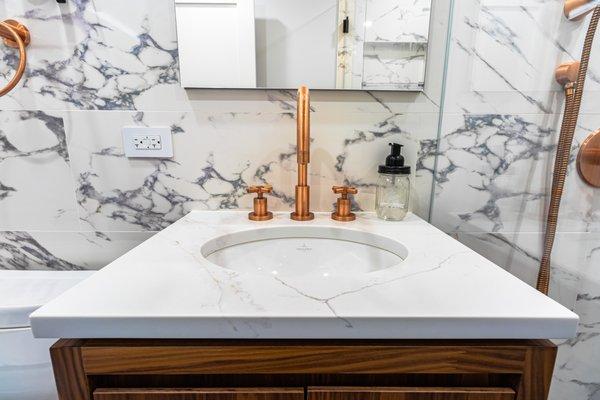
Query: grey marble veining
x=47 y=250
x=498 y=163
x=20 y=251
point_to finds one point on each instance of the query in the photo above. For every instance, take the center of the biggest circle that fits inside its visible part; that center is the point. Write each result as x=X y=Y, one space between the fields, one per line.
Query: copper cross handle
x=343 y=210
x=260 y=213
x=344 y=190
x=260 y=190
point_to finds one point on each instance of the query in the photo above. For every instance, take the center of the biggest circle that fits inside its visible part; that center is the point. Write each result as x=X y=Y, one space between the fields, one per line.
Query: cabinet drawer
x=201 y=394
x=415 y=393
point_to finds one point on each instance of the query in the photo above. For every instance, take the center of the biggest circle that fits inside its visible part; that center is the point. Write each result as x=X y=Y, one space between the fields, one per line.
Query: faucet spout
x=302 y=203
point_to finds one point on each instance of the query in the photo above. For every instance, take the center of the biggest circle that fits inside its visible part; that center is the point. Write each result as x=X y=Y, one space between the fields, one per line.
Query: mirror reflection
x=325 y=44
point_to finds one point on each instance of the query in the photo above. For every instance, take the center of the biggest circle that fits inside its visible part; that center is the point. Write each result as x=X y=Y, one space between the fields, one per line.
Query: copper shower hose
x=15 y=35
x=574 y=94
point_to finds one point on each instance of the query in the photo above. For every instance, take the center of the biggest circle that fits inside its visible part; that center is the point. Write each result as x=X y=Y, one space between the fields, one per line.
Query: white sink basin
x=294 y=251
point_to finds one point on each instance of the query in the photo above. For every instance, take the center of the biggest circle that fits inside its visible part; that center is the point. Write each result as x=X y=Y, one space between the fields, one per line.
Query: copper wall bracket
x=15 y=35
x=566 y=73
x=588 y=160
x=576 y=10
x=20 y=30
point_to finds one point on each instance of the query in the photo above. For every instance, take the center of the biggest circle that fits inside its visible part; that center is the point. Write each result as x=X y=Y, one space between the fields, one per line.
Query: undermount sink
x=294 y=251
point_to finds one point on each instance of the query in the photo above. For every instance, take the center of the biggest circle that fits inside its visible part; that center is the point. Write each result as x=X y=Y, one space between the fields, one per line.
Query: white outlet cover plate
x=132 y=132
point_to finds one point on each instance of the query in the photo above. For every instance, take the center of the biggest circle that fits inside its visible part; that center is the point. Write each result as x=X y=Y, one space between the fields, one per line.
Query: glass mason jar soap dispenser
x=393 y=186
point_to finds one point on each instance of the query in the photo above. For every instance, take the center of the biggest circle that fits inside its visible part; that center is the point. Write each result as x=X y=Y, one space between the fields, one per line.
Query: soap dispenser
x=393 y=186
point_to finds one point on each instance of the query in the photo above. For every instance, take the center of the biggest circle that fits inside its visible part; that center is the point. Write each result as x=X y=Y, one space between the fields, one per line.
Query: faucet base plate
x=343 y=218
x=302 y=217
x=260 y=217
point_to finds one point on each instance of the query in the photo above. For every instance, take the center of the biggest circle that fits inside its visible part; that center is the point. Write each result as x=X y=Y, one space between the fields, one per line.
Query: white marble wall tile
x=504 y=53
x=577 y=367
x=63 y=251
x=494 y=175
x=36 y=187
x=216 y=157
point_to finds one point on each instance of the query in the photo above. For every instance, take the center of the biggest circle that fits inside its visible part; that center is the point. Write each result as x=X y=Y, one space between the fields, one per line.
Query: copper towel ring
x=15 y=35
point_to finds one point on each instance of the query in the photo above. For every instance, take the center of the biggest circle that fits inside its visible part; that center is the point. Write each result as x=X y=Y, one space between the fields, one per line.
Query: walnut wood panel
x=411 y=393
x=71 y=381
x=537 y=374
x=311 y=357
x=201 y=394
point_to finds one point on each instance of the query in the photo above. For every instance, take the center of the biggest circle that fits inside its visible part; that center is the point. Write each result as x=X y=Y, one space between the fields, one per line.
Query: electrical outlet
x=147 y=142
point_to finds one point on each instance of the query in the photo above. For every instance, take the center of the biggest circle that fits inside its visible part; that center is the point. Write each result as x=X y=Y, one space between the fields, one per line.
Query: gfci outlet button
x=147 y=142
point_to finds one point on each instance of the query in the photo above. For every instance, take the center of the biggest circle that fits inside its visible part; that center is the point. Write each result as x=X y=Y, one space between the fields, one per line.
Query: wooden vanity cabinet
x=98 y=369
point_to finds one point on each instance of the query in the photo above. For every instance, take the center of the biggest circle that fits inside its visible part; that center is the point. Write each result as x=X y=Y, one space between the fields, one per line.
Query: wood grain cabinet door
x=422 y=393
x=201 y=394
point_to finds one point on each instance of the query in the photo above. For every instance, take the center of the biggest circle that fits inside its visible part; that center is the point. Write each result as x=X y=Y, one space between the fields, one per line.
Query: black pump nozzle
x=394 y=163
x=395 y=159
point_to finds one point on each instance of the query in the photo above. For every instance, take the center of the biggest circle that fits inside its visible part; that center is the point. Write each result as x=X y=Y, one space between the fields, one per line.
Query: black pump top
x=394 y=163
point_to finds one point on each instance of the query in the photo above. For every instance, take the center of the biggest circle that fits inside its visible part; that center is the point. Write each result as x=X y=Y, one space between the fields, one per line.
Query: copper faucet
x=302 y=207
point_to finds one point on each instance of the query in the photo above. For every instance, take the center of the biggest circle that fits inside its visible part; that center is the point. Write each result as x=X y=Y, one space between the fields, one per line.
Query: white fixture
x=147 y=142
x=216 y=43
x=25 y=369
x=304 y=251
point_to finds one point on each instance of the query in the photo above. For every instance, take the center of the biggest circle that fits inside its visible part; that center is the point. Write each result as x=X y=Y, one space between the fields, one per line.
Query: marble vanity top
x=165 y=288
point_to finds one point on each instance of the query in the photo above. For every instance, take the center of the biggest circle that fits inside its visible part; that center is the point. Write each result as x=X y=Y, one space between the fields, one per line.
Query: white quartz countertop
x=165 y=288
